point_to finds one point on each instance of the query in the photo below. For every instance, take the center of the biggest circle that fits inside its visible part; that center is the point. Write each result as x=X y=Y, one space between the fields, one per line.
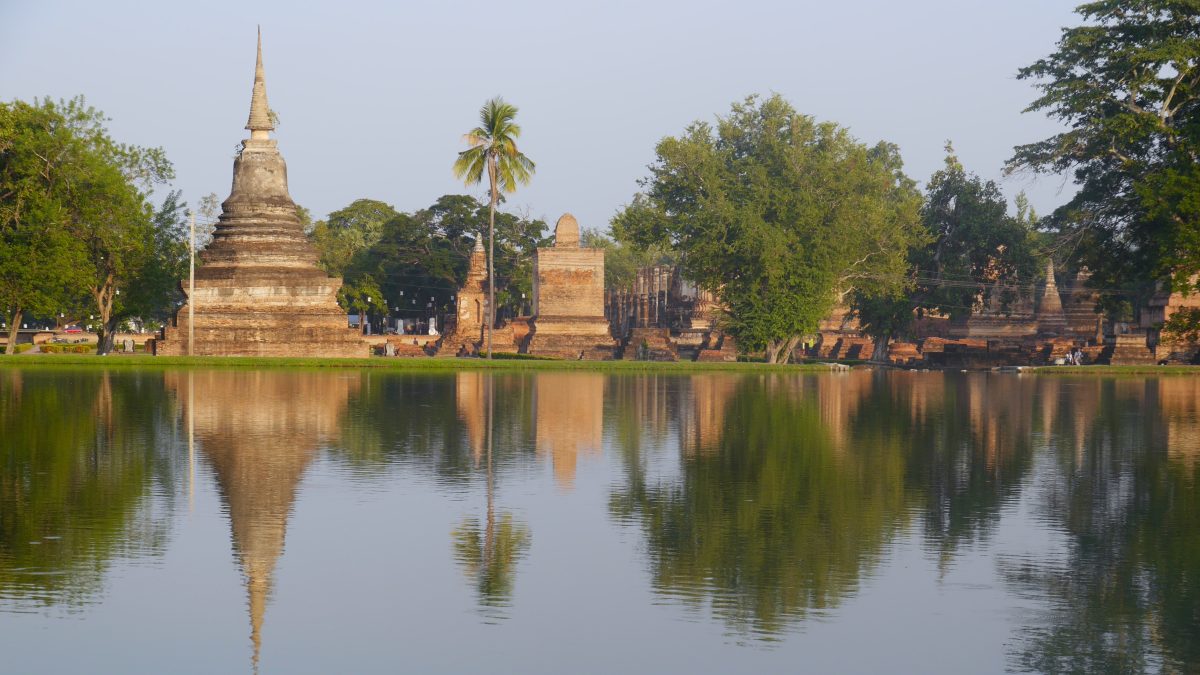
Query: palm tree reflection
x=489 y=551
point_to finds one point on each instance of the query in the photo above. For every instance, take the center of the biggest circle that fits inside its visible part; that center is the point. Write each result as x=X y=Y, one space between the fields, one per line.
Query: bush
x=64 y=349
x=20 y=349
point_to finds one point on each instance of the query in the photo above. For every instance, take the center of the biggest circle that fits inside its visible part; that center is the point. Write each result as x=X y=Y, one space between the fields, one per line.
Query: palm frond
x=495 y=137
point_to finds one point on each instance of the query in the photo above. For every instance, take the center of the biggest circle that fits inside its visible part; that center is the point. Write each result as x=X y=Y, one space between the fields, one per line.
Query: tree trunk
x=103 y=295
x=788 y=348
x=772 y=350
x=780 y=351
x=880 y=353
x=14 y=327
x=491 y=253
x=108 y=334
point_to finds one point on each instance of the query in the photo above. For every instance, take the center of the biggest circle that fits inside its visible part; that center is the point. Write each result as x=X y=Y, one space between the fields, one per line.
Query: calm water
x=316 y=522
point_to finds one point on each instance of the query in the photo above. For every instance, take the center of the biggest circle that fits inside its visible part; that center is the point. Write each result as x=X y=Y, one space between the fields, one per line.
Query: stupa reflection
x=569 y=419
x=259 y=451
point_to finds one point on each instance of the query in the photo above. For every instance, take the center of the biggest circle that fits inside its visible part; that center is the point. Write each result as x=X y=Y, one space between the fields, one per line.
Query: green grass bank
x=390 y=364
x=505 y=364
x=1115 y=370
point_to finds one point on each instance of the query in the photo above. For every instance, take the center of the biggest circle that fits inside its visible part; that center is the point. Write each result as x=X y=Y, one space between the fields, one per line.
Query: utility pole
x=192 y=287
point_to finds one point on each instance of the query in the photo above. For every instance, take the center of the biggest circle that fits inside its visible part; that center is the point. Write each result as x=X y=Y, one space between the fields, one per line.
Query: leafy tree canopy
x=971 y=248
x=74 y=208
x=420 y=259
x=776 y=214
x=1126 y=84
x=348 y=231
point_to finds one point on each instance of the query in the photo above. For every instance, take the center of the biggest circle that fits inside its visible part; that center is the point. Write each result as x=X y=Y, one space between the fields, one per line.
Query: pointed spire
x=260 y=113
x=1050 y=274
x=479 y=244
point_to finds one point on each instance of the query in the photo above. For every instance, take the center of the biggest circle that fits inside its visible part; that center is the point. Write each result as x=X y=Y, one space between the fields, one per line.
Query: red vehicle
x=72 y=329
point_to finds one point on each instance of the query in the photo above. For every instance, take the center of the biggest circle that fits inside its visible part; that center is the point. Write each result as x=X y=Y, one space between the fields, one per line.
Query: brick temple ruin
x=661 y=316
x=468 y=335
x=258 y=290
x=664 y=317
x=568 y=299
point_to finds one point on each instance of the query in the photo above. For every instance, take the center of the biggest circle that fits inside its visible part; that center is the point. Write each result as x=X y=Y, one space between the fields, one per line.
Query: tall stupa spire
x=260 y=291
x=260 y=113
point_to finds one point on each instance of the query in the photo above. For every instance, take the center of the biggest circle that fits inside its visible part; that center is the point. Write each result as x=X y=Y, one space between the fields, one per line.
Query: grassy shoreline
x=453 y=364
x=1116 y=370
x=390 y=364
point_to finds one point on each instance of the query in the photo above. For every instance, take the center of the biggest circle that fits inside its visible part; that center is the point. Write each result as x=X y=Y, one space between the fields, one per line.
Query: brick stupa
x=1051 y=320
x=259 y=291
x=472 y=304
x=568 y=299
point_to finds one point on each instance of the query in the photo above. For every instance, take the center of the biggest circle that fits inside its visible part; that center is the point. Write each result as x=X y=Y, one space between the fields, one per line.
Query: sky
x=374 y=97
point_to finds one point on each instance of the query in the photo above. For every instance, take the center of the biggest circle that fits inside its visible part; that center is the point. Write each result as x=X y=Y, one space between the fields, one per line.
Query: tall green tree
x=44 y=155
x=493 y=151
x=348 y=231
x=777 y=215
x=971 y=248
x=1126 y=84
x=363 y=296
x=421 y=258
x=154 y=291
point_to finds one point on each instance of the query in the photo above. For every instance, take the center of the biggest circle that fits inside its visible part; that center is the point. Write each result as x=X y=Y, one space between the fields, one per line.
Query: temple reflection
x=568 y=420
x=762 y=501
x=259 y=450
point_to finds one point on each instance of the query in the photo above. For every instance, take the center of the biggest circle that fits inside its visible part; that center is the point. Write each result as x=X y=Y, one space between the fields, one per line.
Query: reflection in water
x=259 y=449
x=569 y=419
x=1124 y=597
x=82 y=456
x=776 y=519
x=487 y=552
x=759 y=500
x=967 y=442
x=811 y=477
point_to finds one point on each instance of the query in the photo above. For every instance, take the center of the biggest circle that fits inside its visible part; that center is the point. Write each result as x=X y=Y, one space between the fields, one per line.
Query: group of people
x=1075 y=357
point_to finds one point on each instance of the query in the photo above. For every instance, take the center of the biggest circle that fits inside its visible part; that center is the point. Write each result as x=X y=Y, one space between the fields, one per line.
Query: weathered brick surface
x=471 y=308
x=258 y=290
x=568 y=299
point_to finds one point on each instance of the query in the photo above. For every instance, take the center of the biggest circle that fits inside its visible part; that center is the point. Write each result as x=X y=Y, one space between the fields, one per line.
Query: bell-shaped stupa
x=258 y=289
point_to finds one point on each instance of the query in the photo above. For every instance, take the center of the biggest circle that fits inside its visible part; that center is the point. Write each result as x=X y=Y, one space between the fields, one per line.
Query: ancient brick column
x=568 y=298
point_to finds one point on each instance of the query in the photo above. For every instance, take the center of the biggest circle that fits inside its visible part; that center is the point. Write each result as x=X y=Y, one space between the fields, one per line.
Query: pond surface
x=202 y=521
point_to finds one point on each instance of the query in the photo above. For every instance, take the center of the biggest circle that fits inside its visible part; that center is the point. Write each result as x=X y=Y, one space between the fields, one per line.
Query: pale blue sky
x=374 y=96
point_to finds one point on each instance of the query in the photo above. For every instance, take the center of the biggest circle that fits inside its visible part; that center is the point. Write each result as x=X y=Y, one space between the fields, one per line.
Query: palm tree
x=494 y=150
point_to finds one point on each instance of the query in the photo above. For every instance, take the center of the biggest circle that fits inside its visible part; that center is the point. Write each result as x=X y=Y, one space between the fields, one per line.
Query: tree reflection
x=967 y=442
x=433 y=422
x=488 y=553
x=1124 y=595
x=81 y=455
x=790 y=487
x=775 y=519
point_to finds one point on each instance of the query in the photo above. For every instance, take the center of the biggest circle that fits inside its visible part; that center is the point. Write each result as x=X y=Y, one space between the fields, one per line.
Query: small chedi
x=471 y=302
x=258 y=290
x=568 y=299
